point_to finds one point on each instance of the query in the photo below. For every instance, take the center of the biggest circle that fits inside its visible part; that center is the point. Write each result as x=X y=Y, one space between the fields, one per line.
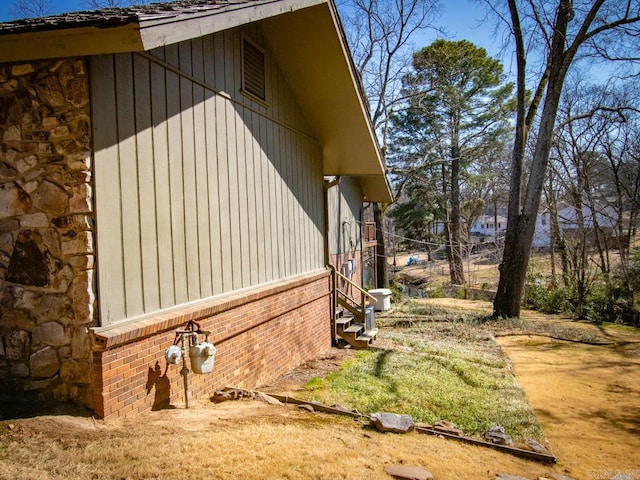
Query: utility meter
x=173 y=354
x=202 y=357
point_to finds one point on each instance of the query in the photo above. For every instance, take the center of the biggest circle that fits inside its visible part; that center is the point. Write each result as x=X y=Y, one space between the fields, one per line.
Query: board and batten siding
x=199 y=189
x=344 y=204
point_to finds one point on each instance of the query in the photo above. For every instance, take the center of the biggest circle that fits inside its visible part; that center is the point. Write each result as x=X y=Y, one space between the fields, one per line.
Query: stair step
x=354 y=329
x=367 y=336
x=343 y=322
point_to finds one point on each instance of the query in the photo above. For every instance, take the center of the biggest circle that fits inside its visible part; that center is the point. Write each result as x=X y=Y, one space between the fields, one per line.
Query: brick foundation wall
x=259 y=334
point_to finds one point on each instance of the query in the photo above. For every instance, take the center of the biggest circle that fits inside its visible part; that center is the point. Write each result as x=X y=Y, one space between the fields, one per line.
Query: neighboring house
x=568 y=222
x=487 y=228
x=167 y=163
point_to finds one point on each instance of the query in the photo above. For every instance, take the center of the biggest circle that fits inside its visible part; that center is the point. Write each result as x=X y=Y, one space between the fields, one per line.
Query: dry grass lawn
x=586 y=398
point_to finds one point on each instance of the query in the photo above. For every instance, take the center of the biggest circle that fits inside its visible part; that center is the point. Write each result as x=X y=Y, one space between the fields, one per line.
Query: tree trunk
x=517 y=249
x=521 y=224
x=456 y=265
x=382 y=275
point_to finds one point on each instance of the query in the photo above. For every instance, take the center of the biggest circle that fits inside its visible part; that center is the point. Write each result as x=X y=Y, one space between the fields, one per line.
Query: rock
x=447 y=427
x=81 y=344
x=307 y=407
x=19 y=370
x=557 y=476
x=537 y=447
x=14 y=201
x=496 y=434
x=76 y=373
x=34 y=220
x=22 y=69
x=26 y=163
x=52 y=307
x=267 y=399
x=17 y=320
x=52 y=333
x=12 y=134
x=391 y=422
x=17 y=345
x=44 y=363
x=80 y=201
x=220 y=396
x=409 y=472
x=51 y=198
x=34 y=385
x=81 y=244
x=506 y=476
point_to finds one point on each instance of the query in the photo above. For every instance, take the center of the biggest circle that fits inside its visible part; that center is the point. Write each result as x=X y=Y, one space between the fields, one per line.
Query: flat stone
x=22 y=69
x=557 y=476
x=409 y=472
x=80 y=201
x=35 y=385
x=19 y=370
x=13 y=201
x=80 y=245
x=81 y=344
x=26 y=163
x=506 y=476
x=52 y=333
x=12 y=134
x=391 y=422
x=497 y=435
x=537 y=447
x=9 y=225
x=82 y=294
x=17 y=344
x=76 y=372
x=44 y=363
x=52 y=307
x=51 y=198
x=17 y=320
x=447 y=427
x=307 y=407
x=267 y=399
x=34 y=220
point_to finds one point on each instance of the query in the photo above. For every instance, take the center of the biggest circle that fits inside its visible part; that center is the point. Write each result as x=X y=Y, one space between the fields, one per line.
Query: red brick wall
x=259 y=334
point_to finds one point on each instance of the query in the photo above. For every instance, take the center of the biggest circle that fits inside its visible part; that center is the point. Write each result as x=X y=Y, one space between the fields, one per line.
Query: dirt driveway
x=587 y=399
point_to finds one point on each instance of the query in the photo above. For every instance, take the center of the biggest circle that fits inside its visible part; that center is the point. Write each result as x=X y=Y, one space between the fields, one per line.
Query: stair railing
x=350 y=303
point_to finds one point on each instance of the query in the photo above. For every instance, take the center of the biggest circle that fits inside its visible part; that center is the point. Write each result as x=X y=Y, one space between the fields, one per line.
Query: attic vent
x=253 y=70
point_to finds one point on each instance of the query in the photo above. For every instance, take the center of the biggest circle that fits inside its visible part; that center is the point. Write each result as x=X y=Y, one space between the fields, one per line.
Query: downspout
x=334 y=301
x=362 y=227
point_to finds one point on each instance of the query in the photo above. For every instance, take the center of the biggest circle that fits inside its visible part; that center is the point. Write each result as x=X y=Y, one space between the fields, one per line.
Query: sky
x=459 y=17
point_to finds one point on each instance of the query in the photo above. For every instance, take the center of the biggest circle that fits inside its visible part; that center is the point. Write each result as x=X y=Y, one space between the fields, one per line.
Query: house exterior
x=174 y=163
x=487 y=228
x=568 y=222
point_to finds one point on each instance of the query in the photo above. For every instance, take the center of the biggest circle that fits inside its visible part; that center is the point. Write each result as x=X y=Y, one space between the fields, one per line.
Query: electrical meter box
x=202 y=357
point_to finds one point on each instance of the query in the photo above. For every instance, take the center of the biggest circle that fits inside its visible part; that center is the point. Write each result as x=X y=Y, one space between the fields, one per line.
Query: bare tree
x=99 y=4
x=562 y=29
x=31 y=8
x=379 y=33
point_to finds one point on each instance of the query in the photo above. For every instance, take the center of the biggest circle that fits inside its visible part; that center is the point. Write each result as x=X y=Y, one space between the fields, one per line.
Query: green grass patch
x=438 y=370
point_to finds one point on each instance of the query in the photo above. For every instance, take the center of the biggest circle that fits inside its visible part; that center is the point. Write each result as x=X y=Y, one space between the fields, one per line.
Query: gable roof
x=305 y=36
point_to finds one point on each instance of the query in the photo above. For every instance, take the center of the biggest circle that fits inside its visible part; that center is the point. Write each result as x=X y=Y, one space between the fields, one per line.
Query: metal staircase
x=354 y=320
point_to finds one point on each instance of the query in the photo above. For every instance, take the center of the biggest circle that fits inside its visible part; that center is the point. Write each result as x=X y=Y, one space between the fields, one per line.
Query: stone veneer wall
x=46 y=230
